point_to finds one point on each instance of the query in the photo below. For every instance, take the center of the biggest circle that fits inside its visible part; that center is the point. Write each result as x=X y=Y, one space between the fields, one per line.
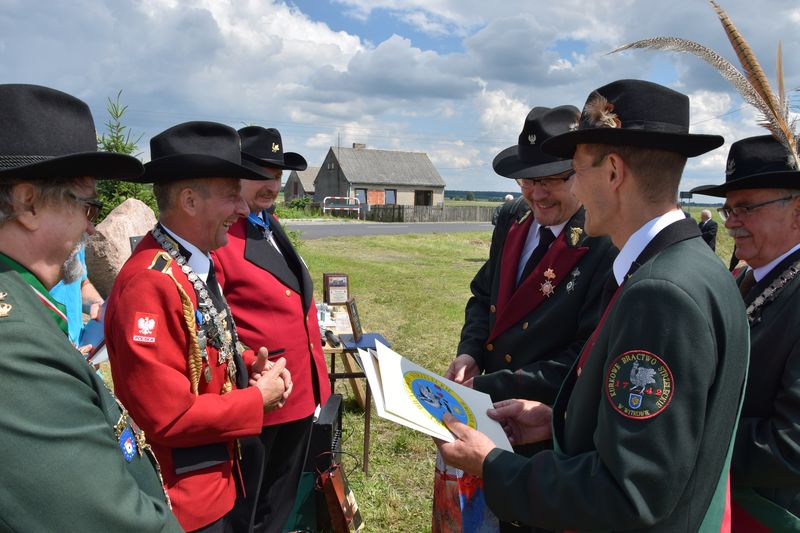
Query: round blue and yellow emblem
x=437 y=398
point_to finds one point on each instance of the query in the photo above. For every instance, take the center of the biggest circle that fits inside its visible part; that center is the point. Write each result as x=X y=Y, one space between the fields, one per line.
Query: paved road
x=319 y=230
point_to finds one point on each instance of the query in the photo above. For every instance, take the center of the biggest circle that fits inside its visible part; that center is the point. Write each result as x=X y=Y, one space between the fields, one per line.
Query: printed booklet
x=415 y=397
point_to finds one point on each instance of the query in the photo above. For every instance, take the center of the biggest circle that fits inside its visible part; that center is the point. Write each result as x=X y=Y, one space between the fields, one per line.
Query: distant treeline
x=488 y=196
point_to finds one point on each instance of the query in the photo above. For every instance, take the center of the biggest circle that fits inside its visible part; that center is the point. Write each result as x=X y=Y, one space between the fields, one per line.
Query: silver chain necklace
x=771 y=293
x=213 y=323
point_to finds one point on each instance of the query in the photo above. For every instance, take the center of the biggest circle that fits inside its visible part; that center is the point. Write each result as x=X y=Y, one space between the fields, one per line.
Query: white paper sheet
x=411 y=395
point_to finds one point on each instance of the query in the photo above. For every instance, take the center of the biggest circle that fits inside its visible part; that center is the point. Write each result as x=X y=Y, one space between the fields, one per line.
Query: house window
x=391 y=197
x=423 y=197
x=296 y=188
x=361 y=194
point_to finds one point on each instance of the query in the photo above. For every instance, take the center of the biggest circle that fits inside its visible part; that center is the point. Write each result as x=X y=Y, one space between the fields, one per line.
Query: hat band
x=15 y=161
x=643 y=125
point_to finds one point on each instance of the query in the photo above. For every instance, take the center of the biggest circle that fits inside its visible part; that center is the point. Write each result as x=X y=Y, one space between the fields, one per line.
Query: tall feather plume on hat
x=753 y=85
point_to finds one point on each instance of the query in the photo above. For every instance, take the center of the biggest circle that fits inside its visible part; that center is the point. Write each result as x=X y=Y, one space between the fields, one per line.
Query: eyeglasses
x=744 y=210
x=93 y=206
x=546 y=183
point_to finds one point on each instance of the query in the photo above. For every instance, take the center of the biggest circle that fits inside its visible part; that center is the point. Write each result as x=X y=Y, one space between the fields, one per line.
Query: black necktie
x=546 y=238
x=211 y=283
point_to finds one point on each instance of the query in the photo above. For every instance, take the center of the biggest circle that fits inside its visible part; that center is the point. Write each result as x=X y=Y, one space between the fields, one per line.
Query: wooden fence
x=419 y=213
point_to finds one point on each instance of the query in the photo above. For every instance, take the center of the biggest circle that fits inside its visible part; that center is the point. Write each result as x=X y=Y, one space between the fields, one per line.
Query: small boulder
x=110 y=246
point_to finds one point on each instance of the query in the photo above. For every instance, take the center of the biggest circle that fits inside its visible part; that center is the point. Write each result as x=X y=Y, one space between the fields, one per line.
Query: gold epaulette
x=163 y=263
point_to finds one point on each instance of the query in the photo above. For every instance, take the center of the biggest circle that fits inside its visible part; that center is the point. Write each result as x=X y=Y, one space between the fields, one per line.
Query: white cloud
x=501 y=115
x=267 y=62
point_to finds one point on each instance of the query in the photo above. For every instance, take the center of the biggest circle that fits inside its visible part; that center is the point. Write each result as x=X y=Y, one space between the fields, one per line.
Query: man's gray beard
x=72 y=269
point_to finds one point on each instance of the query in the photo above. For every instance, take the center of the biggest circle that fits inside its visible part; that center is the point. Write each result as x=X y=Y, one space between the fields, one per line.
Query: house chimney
x=359 y=146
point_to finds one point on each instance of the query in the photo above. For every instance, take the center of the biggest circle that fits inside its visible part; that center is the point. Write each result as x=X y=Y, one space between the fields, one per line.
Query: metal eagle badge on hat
x=639 y=385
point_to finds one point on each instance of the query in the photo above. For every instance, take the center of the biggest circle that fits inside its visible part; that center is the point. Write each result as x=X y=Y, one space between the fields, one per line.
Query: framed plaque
x=335 y=288
x=355 y=321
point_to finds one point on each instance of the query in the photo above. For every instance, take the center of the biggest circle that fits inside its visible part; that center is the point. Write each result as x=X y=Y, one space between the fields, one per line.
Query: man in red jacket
x=176 y=362
x=270 y=293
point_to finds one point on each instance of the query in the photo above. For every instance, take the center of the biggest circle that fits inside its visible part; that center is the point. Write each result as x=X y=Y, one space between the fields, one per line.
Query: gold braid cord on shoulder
x=194 y=359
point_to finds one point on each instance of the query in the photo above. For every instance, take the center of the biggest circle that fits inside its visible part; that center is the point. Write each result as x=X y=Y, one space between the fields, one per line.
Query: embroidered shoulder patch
x=639 y=384
x=145 y=326
x=127 y=444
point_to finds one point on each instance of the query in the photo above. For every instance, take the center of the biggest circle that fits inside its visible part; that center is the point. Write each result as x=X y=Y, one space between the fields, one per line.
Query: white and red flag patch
x=145 y=327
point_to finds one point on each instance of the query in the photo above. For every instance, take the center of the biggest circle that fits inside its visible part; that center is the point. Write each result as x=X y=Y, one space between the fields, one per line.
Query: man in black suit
x=762 y=213
x=708 y=228
x=537 y=298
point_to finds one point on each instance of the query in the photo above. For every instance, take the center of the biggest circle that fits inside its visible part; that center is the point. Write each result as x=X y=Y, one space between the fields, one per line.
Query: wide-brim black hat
x=197 y=150
x=755 y=163
x=526 y=159
x=46 y=133
x=635 y=113
x=263 y=146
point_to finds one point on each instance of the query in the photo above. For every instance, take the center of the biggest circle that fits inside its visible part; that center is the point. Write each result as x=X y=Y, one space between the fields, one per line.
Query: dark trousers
x=269 y=502
x=223 y=525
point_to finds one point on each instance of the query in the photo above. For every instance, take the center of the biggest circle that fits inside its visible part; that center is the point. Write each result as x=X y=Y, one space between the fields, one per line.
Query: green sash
x=765 y=511
x=57 y=310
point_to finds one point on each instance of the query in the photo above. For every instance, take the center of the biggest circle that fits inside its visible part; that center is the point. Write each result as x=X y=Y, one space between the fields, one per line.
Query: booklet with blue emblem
x=413 y=396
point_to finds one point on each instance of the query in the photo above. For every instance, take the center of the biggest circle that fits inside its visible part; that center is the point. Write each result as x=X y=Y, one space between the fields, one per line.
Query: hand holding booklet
x=410 y=395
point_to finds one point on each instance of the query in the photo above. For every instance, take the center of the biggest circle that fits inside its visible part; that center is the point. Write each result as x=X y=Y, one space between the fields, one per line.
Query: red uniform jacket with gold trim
x=148 y=343
x=274 y=307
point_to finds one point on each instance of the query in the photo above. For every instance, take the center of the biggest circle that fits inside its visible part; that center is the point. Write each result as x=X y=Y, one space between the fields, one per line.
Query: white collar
x=637 y=242
x=762 y=271
x=199 y=261
x=557 y=229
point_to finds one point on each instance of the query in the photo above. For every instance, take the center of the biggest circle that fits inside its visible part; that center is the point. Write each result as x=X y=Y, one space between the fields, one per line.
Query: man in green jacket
x=72 y=458
x=762 y=213
x=643 y=425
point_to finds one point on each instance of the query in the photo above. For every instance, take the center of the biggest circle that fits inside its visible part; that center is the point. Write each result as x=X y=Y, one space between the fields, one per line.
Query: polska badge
x=144 y=328
x=639 y=385
x=275 y=147
x=575 y=235
x=127 y=443
x=3 y=296
x=549 y=274
x=5 y=309
x=532 y=138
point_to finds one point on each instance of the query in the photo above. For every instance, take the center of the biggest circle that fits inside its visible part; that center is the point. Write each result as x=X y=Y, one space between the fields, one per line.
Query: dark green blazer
x=62 y=467
x=530 y=356
x=767 y=453
x=627 y=463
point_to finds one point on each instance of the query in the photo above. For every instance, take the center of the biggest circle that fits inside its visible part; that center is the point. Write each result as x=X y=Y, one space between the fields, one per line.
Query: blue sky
x=452 y=78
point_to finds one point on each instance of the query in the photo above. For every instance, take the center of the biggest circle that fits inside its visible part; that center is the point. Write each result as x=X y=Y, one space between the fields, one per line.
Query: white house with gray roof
x=379 y=177
x=300 y=184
